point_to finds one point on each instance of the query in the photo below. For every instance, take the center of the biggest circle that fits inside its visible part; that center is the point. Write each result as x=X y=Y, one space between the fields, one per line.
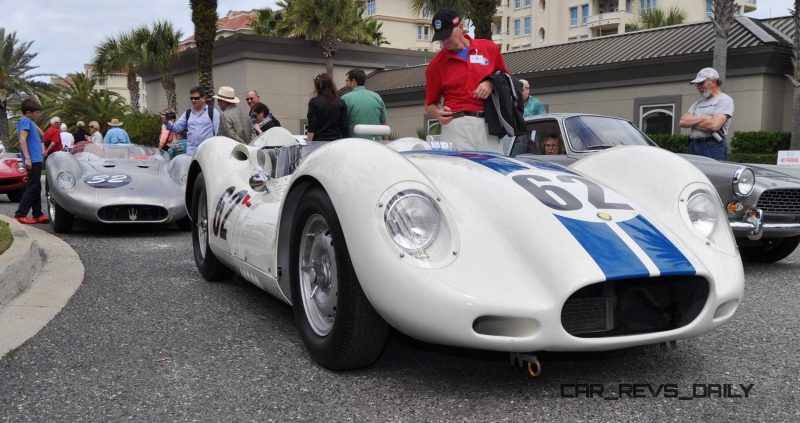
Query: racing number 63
x=558 y=198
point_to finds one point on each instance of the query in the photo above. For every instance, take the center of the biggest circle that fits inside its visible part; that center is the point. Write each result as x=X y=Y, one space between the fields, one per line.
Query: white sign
x=789 y=158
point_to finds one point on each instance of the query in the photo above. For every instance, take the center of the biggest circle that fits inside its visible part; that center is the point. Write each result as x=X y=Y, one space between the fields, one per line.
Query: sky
x=65 y=32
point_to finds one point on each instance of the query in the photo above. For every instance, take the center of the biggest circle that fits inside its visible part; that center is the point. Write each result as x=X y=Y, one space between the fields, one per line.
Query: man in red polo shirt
x=53 y=132
x=455 y=75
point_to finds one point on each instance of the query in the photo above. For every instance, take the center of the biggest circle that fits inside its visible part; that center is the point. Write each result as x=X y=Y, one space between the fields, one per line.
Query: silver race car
x=122 y=183
x=762 y=202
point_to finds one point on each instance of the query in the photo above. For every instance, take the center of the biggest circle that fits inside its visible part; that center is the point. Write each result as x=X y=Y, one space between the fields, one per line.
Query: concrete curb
x=31 y=295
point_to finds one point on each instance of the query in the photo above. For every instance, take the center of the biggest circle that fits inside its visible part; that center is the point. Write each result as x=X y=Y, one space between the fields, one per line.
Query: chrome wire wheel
x=51 y=206
x=318 y=275
x=202 y=223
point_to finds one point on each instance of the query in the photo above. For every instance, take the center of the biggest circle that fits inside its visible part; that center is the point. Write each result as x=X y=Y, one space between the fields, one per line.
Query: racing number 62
x=558 y=198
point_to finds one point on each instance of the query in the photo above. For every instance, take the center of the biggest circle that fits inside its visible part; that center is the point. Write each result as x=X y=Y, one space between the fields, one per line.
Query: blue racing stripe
x=665 y=254
x=614 y=258
x=497 y=163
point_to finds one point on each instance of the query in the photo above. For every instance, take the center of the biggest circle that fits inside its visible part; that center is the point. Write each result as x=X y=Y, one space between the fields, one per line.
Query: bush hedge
x=143 y=128
x=745 y=147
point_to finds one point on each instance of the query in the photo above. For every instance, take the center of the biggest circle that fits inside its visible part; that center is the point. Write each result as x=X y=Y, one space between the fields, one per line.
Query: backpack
x=210 y=117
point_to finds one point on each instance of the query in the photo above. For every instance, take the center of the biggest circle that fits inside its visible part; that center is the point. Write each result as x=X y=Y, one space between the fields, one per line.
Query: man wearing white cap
x=709 y=118
x=235 y=122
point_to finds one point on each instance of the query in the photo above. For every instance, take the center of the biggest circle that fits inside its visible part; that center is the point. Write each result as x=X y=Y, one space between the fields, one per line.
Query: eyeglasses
x=551 y=146
x=250 y=99
x=195 y=98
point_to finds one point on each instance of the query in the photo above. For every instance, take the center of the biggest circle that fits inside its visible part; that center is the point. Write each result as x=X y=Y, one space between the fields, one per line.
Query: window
x=542 y=37
x=527 y=21
x=628 y=6
x=657 y=118
x=527 y=3
x=709 y=9
x=648 y=4
x=585 y=12
x=517 y=29
x=371 y=7
x=423 y=33
x=573 y=16
x=517 y=4
x=101 y=81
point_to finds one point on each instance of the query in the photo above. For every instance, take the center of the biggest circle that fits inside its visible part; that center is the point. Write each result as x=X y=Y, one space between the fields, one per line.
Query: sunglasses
x=195 y=98
x=250 y=99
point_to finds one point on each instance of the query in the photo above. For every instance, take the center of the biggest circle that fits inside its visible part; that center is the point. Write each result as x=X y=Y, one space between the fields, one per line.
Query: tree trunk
x=4 y=137
x=722 y=20
x=482 y=12
x=721 y=56
x=204 y=18
x=133 y=89
x=168 y=82
x=329 y=45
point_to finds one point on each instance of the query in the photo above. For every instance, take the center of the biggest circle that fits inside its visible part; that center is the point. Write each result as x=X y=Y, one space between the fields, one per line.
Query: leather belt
x=457 y=115
x=704 y=139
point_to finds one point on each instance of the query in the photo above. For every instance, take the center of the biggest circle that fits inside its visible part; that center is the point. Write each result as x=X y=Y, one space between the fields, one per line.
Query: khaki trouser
x=471 y=133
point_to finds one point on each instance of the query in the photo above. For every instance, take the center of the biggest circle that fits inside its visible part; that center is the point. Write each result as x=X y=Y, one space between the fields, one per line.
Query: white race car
x=625 y=247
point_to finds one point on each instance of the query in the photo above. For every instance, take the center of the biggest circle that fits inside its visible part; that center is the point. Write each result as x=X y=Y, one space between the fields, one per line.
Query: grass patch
x=5 y=237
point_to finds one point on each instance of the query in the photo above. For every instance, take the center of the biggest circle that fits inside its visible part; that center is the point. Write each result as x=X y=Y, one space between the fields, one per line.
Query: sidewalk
x=38 y=275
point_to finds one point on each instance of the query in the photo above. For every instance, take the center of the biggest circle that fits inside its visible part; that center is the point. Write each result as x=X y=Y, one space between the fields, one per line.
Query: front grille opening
x=634 y=306
x=786 y=200
x=132 y=213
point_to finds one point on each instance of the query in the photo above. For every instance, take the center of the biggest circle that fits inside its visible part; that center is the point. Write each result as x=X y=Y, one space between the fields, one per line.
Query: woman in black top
x=264 y=119
x=327 y=113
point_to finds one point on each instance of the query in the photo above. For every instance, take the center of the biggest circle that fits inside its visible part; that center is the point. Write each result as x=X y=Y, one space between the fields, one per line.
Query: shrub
x=766 y=158
x=143 y=128
x=674 y=143
x=760 y=142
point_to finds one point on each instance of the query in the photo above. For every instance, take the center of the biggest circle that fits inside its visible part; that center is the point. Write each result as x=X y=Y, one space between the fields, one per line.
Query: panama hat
x=115 y=122
x=227 y=94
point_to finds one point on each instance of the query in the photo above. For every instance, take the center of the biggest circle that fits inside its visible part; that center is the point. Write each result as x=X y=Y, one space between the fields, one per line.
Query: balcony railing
x=614 y=17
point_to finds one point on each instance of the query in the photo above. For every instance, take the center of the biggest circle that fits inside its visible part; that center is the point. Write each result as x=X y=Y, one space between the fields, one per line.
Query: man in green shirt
x=363 y=105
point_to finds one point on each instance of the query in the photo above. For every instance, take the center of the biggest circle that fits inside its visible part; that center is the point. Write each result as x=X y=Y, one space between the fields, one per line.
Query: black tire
x=210 y=268
x=15 y=196
x=342 y=330
x=185 y=224
x=60 y=219
x=773 y=250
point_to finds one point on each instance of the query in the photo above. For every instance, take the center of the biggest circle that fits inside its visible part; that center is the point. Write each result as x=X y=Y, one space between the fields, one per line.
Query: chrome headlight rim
x=400 y=233
x=21 y=167
x=739 y=181
x=66 y=180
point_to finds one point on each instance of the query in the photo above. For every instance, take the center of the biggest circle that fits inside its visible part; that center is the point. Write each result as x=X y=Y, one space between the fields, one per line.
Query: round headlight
x=412 y=220
x=744 y=180
x=65 y=180
x=21 y=167
x=704 y=212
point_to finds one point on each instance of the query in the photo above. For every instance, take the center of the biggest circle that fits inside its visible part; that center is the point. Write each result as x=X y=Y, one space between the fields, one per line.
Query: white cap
x=705 y=73
x=63 y=127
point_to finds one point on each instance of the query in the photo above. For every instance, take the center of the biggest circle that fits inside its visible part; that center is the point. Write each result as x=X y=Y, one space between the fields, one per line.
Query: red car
x=13 y=176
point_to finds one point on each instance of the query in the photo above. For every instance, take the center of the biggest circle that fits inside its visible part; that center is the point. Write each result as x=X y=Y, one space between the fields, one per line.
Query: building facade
x=117 y=83
x=400 y=26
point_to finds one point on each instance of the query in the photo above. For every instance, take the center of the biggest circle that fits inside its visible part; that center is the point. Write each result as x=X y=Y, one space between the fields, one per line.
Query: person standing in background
x=363 y=106
x=533 y=106
x=30 y=147
x=199 y=121
x=327 y=113
x=95 y=135
x=116 y=135
x=235 y=122
x=252 y=97
x=67 y=140
x=709 y=118
x=80 y=132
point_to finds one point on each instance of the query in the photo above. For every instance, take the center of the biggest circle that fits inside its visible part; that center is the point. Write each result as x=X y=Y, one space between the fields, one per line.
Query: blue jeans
x=714 y=149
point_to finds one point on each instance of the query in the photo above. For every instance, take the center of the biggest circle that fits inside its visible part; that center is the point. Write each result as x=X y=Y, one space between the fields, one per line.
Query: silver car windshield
x=92 y=151
x=587 y=133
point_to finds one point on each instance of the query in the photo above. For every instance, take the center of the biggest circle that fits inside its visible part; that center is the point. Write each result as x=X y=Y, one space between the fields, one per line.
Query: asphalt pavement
x=144 y=338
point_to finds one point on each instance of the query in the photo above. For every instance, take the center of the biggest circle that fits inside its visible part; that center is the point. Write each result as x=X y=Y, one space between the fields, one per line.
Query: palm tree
x=15 y=81
x=267 y=22
x=656 y=18
x=328 y=21
x=373 y=29
x=723 y=11
x=480 y=12
x=161 y=50
x=795 y=143
x=123 y=55
x=80 y=101
x=204 y=18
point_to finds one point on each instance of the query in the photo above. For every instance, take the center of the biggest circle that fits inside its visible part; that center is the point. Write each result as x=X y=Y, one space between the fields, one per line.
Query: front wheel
x=337 y=323
x=61 y=219
x=773 y=250
x=210 y=268
x=15 y=196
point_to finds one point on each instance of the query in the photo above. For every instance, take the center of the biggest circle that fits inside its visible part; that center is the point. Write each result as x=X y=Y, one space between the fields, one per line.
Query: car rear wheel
x=61 y=219
x=210 y=268
x=773 y=250
x=15 y=196
x=337 y=323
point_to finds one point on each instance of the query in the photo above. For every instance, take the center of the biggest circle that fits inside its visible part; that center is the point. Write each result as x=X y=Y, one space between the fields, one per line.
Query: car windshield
x=587 y=133
x=91 y=151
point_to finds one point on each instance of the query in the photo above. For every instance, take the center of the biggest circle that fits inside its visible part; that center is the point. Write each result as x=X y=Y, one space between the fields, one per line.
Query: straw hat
x=115 y=122
x=227 y=94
